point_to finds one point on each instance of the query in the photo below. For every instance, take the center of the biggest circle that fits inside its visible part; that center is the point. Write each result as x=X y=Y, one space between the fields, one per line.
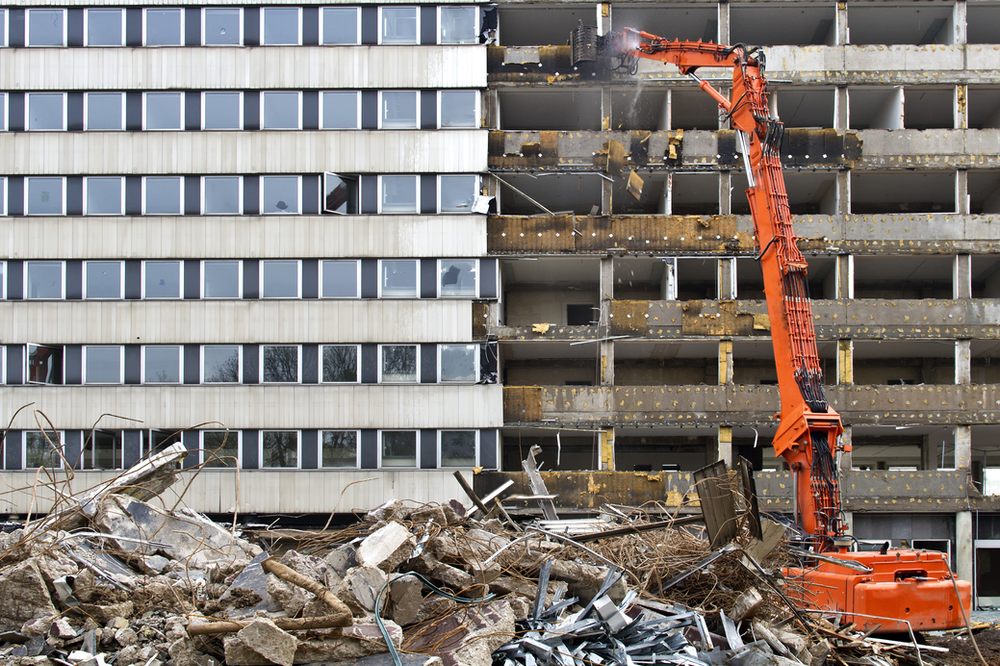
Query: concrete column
x=726 y=268
x=603 y=18
x=725 y=362
x=845 y=277
x=723 y=22
x=963 y=362
x=491 y=110
x=962 y=203
x=725 y=193
x=607 y=362
x=607 y=347
x=667 y=200
x=667 y=111
x=964 y=545
x=962 y=106
x=841 y=111
x=724 y=446
x=843 y=31
x=607 y=450
x=606 y=108
x=846 y=456
x=929 y=454
x=845 y=361
x=959 y=22
x=963 y=447
x=961 y=284
x=844 y=192
x=607 y=190
x=848 y=522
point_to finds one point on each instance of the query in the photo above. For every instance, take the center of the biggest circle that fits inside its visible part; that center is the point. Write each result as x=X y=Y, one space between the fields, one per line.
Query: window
x=220 y=364
x=457 y=193
x=162 y=27
x=3 y=296
x=104 y=27
x=44 y=365
x=399 y=364
x=220 y=448
x=339 y=364
x=3 y=212
x=103 y=450
x=457 y=277
x=280 y=110
x=281 y=25
x=399 y=448
x=458 y=448
x=46 y=111
x=458 y=108
x=221 y=279
x=157 y=440
x=340 y=110
x=43 y=279
x=279 y=448
x=164 y=111
x=279 y=279
x=161 y=364
x=222 y=195
x=104 y=111
x=399 y=278
x=102 y=365
x=340 y=25
x=340 y=194
x=222 y=110
x=280 y=194
x=42 y=449
x=103 y=279
x=279 y=364
x=221 y=27
x=46 y=196
x=3 y=27
x=161 y=279
x=458 y=25
x=398 y=194
x=46 y=27
x=399 y=25
x=3 y=112
x=338 y=448
x=399 y=109
x=162 y=195
x=458 y=363
x=340 y=279
x=103 y=196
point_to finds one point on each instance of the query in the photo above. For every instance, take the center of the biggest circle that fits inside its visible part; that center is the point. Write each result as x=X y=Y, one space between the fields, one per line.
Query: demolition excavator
x=891 y=591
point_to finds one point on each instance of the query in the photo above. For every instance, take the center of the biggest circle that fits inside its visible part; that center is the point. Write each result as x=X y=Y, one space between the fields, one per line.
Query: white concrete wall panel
x=903 y=57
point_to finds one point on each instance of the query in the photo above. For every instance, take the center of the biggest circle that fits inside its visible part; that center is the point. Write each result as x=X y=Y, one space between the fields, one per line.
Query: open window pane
x=399 y=109
x=457 y=193
x=280 y=110
x=42 y=450
x=163 y=111
x=280 y=25
x=104 y=27
x=399 y=25
x=340 y=195
x=399 y=194
x=220 y=448
x=340 y=25
x=458 y=448
x=279 y=194
x=399 y=279
x=163 y=27
x=103 y=450
x=222 y=195
x=45 y=111
x=340 y=279
x=339 y=448
x=45 y=365
x=459 y=25
x=102 y=365
x=162 y=195
x=280 y=363
x=221 y=364
x=458 y=277
x=399 y=448
x=399 y=363
x=222 y=279
x=279 y=279
x=46 y=27
x=103 y=196
x=222 y=26
x=104 y=111
x=458 y=363
x=340 y=363
x=340 y=110
x=222 y=110
x=162 y=279
x=45 y=279
x=161 y=365
x=458 y=108
x=157 y=440
x=280 y=448
x=104 y=279
x=45 y=196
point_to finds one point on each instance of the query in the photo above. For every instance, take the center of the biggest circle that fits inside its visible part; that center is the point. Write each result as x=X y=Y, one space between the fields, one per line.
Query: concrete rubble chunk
x=441 y=573
x=585 y=580
x=312 y=567
x=405 y=598
x=248 y=593
x=468 y=636
x=387 y=547
x=61 y=629
x=341 y=559
x=361 y=639
x=746 y=605
x=292 y=598
x=261 y=639
x=359 y=589
x=23 y=596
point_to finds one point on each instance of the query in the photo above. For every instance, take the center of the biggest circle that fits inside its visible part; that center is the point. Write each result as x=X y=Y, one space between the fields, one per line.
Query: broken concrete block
x=586 y=580
x=746 y=605
x=38 y=627
x=261 y=638
x=126 y=636
x=248 y=593
x=430 y=513
x=312 y=567
x=291 y=597
x=359 y=589
x=439 y=572
x=520 y=606
x=765 y=633
x=793 y=642
x=819 y=652
x=387 y=511
x=468 y=636
x=341 y=559
x=387 y=547
x=61 y=629
x=24 y=595
x=405 y=597
x=361 y=639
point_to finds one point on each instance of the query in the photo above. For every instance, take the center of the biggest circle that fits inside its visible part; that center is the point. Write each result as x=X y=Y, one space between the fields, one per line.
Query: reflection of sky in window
x=222 y=26
x=103 y=365
x=340 y=25
x=163 y=111
x=280 y=194
x=222 y=110
x=340 y=279
x=104 y=111
x=162 y=365
x=281 y=25
x=281 y=110
x=163 y=279
x=104 y=27
x=104 y=279
x=340 y=110
x=44 y=279
x=399 y=278
x=45 y=196
x=163 y=27
x=104 y=196
x=222 y=279
x=281 y=279
x=45 y=111
x=163 y=195
x=45 y=27
x=222 y=195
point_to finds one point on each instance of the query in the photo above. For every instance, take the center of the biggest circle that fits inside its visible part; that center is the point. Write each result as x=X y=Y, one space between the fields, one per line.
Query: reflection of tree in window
x=42 y=450
x=399 y=363
x=340 y=363
x=220 y=448
x=340 y=448
x=281 y=448
x=222 y=364
x=281 y=363
x=399 y=449
x=458 y=448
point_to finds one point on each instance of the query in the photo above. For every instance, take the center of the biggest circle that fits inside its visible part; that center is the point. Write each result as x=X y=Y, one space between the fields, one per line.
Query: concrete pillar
x=962 y=203
x=963 y=447
x=846 y=456
x=964 y=545
x=606 y=108
x=607 y=362
x=724 y=446
x=725 y=362
x=841 y=110
x=844 y=192
x=723 y=22
x=845 y=277
x=843 y=31
x=961 y=284
x=607 y=462
x=607 y=190
x=491 y=110
x=603 y=18
x=845 y=361
x=959 y=22
x=962 y=106
x=607 y=347
x=726 y=268
x=667 y=111
x=667 y=200
x=963 y=362
x=929 y=454
x=725 y=193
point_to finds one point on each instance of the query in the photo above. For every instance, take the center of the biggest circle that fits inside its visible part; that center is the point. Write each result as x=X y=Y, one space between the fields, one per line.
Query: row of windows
x=238 y=26
x=249 y=279
x=239 y=110
x=239 y=195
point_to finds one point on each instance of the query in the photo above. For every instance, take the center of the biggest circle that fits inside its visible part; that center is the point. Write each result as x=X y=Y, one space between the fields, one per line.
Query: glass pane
x=44 y=279
x=163 y=27
x=220 y=448
x=399 y=363
x=45 y=196
x=41 y=450
x=104 y=279
x=45 y=27
x=340 y=195
x=281 y=110
x=222 y=110
x=222 y=26
x=458 y=25
x=340 y=448
x=458 y=363
x=399 y=279
x=399 y=25
x=340 y=110
x=399 y=449
x=457 y=193
x=340 y=363
x=222 y=364
x=104 y=196
x=161 y=439
x=104 y=27
x=458 y=108
x=281 y=279
x=163 y=279
x=281 y=25
x=3 y=21
x=280 y=194
x=102 y=365
x=163 y=195
x=103 y=450
x=458 y=277
x=45 y=365
x=45 y=111
x=222 y=279
x=399 y=194
x=458 y=448
x=104 y=111
x=399 y=110
x=162 y=365
x=340 y=25
x=163 y=111
x=340 y=279
x=281 y=363
x=222 y=195
x=281 y=449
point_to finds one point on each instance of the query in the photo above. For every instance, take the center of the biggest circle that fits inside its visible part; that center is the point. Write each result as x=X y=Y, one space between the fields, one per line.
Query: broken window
x=44 y=279
x=458 y=25
x=103 y=450
x=161 y=279
x=339 y=364
x=279 y=279
x=458 y=448
x=162 y=195
x=45 y=196
x=457 y=193
x=280 y=110
x=400 y=109
x=162 y=27
x=339 y=109
x=458 y=363
x=458 y=278
x=161 y=364
x=104 y=111
x=279 y=448
x=44 y=365
x=340 y=194
x=42 y=449
x=222 y=195
x=281 y=25
x=339 y=448
x=340 y=25
x=220 y=448
x=458 y=108
x=163 y=111
x=399 y=364
x=104 y=27
x=280 y=194
x=222 y=110
x=399 y=278
x=103 y=279
x=279 y=364
x=103 y=196
x=398 y=194
x=340 y=278
x=46 y=27
x=102 y=364
x=220 y=364
x=46 y=111
x=221 y=279
x=398 y=449
x=399 y=25
x=222 y=27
